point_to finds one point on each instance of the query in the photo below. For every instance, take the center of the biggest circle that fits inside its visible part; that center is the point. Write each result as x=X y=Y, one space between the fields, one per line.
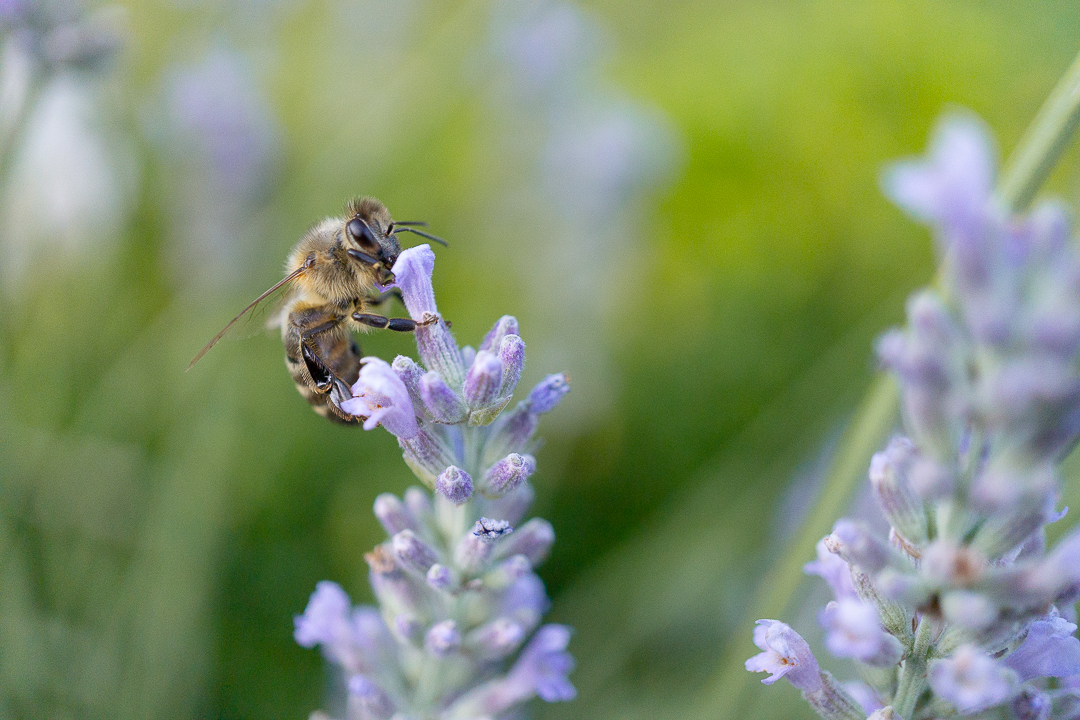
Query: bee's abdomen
x=336 y=352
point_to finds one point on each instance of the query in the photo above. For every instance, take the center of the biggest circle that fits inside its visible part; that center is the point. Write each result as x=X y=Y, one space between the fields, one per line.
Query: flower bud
x=410 y=374
x=853 y=629
x=496 y=639
x=427 y=454
x=506 y=325
x=512 y=433
x=547 y=394
x=393 y=515
x=533 y=540
x=443 y=638
x=409 y=628
x=512 y=357
x=854 y=542
x=901 y=506
x=483 y=381
x=439 y=577
x=419 y=505
x=510 y=472
x=455 y=485
x=513 y=505
x=368 y=700
x=412 y=552
x=443 y=403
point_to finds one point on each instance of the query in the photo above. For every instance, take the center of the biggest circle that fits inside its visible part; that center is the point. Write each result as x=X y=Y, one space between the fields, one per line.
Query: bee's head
x=368 y=231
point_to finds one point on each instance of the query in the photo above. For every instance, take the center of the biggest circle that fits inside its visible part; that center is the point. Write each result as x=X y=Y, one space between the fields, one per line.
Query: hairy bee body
x=332 y=277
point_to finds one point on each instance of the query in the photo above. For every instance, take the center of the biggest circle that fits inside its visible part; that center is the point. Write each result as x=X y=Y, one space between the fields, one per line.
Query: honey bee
x=330 y=283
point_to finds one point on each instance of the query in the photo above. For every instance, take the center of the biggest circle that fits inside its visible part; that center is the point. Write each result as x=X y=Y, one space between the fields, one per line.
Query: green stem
x=913 y=674
x=1044 y=142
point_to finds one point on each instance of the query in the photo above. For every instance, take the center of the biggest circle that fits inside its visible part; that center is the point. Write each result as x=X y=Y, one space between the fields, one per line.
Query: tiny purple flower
x=380 y=396
x=972 y=680
x=454 y=484
x=1049 y=650
x=412 y=275
x=785 y=654
x=497 y=639
x=326 y=619
x=371 y=699
x=435 y=343
x=951 y=186
x=544 y=665
x=854 y=542
x=832 y=568
x=853 y=630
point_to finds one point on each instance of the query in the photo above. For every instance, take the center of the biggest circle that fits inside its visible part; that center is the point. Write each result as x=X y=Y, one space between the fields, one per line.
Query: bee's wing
x=277 y=286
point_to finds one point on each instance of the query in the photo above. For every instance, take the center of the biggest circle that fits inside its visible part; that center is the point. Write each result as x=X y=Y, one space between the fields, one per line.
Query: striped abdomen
x=326 y=364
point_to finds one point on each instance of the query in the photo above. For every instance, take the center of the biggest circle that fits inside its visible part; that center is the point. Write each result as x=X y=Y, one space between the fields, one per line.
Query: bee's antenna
x=421 y=223
x=421 y=233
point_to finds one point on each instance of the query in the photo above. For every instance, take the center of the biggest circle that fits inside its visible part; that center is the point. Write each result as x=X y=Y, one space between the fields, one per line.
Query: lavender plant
x=455 y=583
x=962 y=610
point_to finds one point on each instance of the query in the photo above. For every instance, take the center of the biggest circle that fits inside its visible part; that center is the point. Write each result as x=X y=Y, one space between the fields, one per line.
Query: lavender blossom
x=954 y=609
x=455 y=583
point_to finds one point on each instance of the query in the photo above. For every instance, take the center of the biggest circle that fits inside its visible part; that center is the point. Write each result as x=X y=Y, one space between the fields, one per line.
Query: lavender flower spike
x=457 y=592
x=950 y=604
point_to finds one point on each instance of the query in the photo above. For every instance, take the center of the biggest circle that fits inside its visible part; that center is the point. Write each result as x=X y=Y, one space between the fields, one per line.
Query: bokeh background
x=679 y=202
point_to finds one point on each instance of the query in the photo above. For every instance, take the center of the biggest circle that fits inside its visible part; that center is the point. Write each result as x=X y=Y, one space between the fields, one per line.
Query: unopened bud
x=454 y=484
x=510 y=472
x=483 y=381
x=412 y=552
x=854 y=542
x=512 y=356
x=533 y=540
x=506 y=325
x=901 y=506
x=547 y=394
x=393 y=515
x=443 y=638
x=497 y=639
x=443 y=403
x=439 y=577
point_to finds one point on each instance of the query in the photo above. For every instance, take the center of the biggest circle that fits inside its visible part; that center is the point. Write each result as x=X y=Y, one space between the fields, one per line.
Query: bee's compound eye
x=362 y=234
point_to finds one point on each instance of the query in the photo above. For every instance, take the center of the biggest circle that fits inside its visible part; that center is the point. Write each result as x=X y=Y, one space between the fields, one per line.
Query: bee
x=332 y=279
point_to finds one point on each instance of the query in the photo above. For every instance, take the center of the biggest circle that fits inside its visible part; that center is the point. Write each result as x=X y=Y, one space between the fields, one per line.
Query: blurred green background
x=678 y=201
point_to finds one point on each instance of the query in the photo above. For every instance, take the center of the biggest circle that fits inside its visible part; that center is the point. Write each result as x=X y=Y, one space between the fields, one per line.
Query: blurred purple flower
x=785 y=654
x=972 y=680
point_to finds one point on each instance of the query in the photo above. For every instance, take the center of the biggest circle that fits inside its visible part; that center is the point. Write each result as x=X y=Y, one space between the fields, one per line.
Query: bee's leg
x=398 y=324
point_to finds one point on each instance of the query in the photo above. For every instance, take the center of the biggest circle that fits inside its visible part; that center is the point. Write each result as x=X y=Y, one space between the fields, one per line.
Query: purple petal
x=380 y=396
